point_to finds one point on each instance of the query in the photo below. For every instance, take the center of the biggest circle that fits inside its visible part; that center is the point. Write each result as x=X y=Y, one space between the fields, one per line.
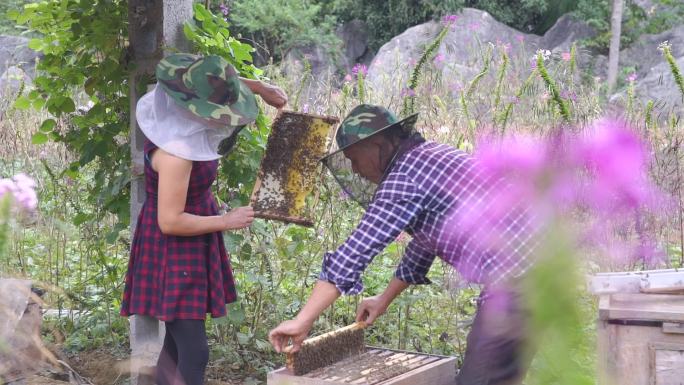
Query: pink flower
x=348 y=78
x=21 y=188
x=566 y=56
x=632 y=77
x=408 y=92
x=520 y=38
x=438 y=60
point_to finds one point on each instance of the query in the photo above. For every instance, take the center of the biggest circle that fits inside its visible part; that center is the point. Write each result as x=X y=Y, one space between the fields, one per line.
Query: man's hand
x=371 y=308
x=295 y=330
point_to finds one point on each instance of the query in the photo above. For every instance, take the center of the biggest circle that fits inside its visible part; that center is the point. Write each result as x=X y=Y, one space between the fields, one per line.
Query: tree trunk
x=153 y=25
x=614 y=52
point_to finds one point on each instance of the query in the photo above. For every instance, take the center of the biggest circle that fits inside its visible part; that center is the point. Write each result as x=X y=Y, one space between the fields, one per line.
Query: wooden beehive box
x=376 y=366
x=640 y=330
x=287 y=173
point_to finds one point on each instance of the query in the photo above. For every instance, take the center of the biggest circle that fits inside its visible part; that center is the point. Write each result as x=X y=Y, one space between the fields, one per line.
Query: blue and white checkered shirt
x=426 y=188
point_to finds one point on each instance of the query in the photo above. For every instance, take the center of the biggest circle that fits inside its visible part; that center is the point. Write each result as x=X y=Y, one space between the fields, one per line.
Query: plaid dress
x=178 y=277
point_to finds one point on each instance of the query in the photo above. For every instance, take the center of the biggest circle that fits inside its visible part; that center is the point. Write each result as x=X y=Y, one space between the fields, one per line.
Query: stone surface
x=14 y=51
x=643 y=55
x=564 y=32
x=13 y=80
x=459 y=51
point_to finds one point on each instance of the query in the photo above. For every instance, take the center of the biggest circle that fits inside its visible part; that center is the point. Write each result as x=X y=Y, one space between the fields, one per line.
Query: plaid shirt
x=425 y=190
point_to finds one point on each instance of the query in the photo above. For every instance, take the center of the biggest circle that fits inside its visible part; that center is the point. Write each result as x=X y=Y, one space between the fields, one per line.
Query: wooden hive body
x=376 y=366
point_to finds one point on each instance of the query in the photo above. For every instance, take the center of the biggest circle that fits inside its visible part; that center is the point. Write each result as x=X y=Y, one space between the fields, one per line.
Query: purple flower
x=348 y=78
x=21 y=188
x=407 y=92
x=449 y=19
x=632 y=77
x=569 y=95
x=566 y=56
x=359 y=69
x=225 y=10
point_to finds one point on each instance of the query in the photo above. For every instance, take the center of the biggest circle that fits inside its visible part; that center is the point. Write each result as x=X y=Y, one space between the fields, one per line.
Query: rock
x=13 y=80
x=354 y=36
x=326 y=68
x=14 y=51
x=643 y=54
x=659 y=85
x=474 y=28
x=564 y=32
x=20 y=320
x=390 y=69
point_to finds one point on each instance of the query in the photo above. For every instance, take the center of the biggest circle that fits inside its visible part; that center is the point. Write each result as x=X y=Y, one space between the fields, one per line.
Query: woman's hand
x=272 y=95
x=295 y=330
x=371 y=308
x=238 y=218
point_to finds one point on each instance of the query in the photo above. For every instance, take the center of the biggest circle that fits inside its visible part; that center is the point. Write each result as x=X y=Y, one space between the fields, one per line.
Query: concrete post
x=153 y=26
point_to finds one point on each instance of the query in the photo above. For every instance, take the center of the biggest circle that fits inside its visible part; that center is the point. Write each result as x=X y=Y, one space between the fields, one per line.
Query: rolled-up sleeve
x=415 y=264
x=395 y=205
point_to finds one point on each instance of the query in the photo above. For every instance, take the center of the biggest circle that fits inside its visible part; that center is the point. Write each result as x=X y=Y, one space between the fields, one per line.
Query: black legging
x=185 y=354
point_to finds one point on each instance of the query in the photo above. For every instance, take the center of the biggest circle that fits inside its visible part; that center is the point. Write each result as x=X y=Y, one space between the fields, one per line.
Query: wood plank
x=440 y=372
x=640 y=306
x=636 y=281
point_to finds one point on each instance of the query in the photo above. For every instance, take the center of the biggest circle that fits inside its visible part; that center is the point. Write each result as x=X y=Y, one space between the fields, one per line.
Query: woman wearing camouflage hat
x=179 y=269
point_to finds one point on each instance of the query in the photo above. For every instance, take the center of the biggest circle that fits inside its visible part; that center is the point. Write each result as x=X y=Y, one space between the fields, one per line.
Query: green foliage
x=83 y=45
x=388 y=18
x=7 y=9
x=635 y=20
x=410 y=98
x=553 y=88
x=278 y=26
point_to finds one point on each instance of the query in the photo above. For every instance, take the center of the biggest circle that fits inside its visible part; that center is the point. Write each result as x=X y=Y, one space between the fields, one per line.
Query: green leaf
x=22 y=103
x=39 y=138
x=36 y=44
x=48 y=125
x=235 y=314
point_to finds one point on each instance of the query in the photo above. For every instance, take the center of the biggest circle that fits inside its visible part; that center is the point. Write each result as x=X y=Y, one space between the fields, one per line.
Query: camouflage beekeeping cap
x=209 y=87
x=366 y=120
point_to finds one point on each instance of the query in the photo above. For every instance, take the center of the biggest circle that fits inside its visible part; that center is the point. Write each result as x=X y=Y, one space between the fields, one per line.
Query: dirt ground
x=104 y=366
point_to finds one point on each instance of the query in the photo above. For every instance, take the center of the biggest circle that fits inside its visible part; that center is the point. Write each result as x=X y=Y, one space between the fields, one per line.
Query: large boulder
x=459 y=58
x=14 y=51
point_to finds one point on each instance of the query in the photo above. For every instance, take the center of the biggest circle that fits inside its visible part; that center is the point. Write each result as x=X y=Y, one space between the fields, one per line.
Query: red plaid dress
x=176 y=277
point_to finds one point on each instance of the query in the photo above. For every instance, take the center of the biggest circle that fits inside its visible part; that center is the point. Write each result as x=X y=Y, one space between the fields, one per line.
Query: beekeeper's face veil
x=362 y=122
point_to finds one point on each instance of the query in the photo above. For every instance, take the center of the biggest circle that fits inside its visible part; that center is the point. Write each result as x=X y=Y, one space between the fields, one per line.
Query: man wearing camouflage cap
x=409 y=184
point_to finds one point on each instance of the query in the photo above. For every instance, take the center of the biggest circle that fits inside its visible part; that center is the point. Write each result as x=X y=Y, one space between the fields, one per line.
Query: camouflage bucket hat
x=209 y=87
x=366 y=120
x=362 y=122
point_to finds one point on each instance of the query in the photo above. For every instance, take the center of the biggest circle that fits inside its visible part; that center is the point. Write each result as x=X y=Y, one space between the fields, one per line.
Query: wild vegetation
x=76 y=245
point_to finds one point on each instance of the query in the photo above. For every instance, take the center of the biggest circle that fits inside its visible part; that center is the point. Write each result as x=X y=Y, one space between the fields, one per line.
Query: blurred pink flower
x=438 y=60
x=632 y=77
x=21 y=188
x=520 y=38
x=601 y=173
x=566 y=56
x=348 y=78
x=474 y=26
